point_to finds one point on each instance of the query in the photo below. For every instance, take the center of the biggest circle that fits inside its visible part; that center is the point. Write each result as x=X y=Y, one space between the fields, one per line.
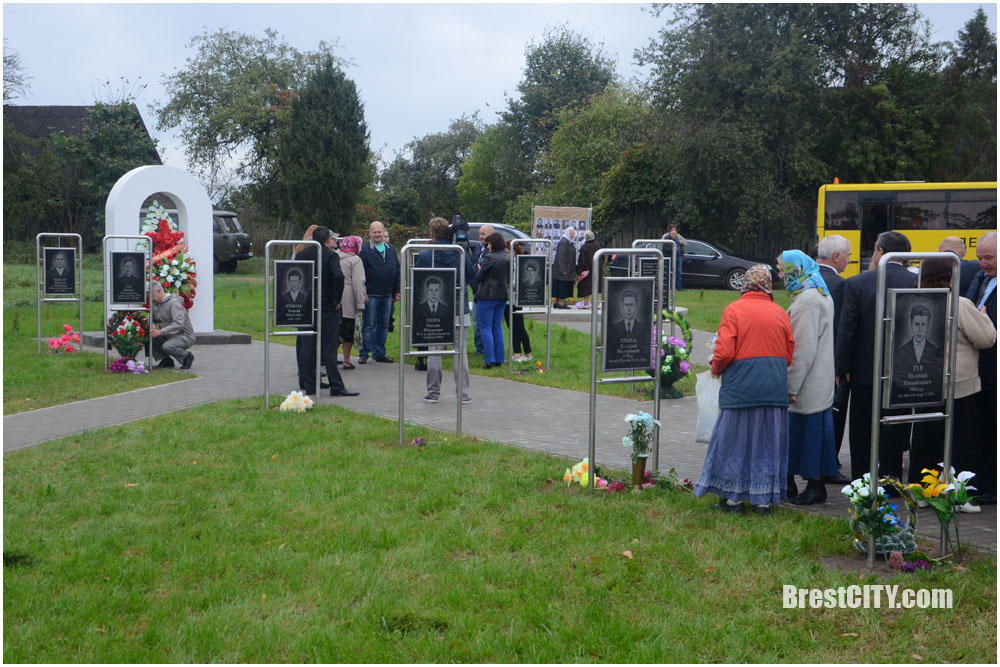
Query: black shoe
x=724 y=506
x=836 y=479
x=324 y=385
x=345 y=392
x=187 y=361
x=362 y=360
x=792 y=490
x=763 y=511
x=385 y=360
x=167 y=362
x=421 y=364
x=814 y=494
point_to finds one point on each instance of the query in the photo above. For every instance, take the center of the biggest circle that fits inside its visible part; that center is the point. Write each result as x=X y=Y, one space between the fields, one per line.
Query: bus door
x=877 y=214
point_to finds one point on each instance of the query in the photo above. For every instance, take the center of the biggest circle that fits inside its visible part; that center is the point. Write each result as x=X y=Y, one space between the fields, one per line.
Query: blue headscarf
x=802 y=273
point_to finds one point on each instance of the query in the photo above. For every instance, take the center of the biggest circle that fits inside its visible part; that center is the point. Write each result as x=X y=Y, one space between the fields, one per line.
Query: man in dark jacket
x=983 y=293
x=855 y=346
x=332 y=281
x=833 y=255
x=382 y=284
x=448 y=259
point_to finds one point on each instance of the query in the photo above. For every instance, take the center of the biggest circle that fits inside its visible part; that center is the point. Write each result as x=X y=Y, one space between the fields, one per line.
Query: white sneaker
x=969 y=508
x=527 y=357
x=466 y=400
x=517 y=358
x=923 y=503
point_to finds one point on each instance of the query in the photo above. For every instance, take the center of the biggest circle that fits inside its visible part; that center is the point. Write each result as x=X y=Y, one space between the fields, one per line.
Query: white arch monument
x=194 y=210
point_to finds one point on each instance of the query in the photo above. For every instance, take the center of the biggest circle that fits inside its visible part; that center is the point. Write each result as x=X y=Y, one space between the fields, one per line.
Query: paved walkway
x=553 y=421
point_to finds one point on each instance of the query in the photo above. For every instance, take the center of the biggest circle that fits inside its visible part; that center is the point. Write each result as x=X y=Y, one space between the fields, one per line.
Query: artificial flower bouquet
x=879 y=517
x=128 y=331
x=65 y=342
x=296 y=402
x=640 y=437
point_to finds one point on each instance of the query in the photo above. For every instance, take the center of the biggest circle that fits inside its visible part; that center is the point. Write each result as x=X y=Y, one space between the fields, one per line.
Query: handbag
x=707 y=392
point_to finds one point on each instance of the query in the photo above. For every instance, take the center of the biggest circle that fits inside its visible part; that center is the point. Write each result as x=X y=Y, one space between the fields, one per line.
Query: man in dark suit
x=833 y=255
x=918 y=364
x=969 y=267
x=292 y=302
x=983 y=293
x=855 y=346
x=329 y=271
x=432 y=320
x=628 y=339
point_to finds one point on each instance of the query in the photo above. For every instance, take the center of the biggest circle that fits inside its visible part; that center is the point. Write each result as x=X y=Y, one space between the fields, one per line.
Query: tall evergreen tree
x=323 y=150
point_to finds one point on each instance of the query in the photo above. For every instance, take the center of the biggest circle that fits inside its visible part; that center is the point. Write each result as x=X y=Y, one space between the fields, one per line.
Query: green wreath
x=902 y=540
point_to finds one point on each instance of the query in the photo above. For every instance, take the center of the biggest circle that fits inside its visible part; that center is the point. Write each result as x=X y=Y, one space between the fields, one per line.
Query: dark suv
x=506 y=231
x=230 y=243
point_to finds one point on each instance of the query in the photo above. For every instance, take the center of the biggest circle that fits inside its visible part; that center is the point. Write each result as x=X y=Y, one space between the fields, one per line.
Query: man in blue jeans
x=382 y=284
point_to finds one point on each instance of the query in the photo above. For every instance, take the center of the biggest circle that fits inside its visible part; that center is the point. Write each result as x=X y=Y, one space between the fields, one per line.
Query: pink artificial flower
x=68 y=328
x=54 y=343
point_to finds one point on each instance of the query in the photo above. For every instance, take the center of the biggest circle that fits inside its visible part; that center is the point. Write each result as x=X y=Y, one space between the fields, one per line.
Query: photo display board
x=529 y=278
x=60 y=271
x=432 y=314
x=128 y=279
x=293 y=293
x=627 y=331
x=550 y=221
x=916 y=348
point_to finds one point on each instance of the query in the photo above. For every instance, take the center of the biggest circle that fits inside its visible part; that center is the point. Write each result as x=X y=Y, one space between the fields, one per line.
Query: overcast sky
x=417 y=66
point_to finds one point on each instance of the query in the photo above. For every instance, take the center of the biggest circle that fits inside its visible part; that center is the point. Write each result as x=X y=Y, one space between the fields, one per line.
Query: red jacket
x=752 y=353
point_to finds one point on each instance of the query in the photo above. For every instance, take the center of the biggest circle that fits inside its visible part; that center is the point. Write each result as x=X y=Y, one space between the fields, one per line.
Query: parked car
x=230 y=243
x=705 y=265
x=506 y=231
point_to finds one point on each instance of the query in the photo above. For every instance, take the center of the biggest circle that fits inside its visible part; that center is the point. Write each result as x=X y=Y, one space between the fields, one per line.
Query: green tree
x=492 y=175
x=15 y=79
x=421 y=182
x=231 y=100
x=323 y=150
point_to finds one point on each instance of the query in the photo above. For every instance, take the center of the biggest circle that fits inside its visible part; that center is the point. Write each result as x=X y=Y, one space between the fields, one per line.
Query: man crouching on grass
x=175 y=333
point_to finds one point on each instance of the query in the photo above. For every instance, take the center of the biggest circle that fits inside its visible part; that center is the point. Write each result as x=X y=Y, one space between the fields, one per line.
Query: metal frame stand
x=599 y=296
x=671 y=275
x=148 y=307
x=268 y=310
x=39 y=259
x=878 y=376
x=548 y=299
x=408 y=251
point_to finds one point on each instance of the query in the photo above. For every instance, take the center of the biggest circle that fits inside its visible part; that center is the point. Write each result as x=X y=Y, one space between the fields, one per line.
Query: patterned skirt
x=747 y=456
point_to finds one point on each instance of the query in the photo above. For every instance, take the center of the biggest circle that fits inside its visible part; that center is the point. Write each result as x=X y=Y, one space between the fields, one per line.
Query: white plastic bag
x=707 y=391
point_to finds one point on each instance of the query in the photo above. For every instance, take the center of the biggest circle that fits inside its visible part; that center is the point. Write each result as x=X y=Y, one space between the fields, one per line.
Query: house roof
x=38 y=122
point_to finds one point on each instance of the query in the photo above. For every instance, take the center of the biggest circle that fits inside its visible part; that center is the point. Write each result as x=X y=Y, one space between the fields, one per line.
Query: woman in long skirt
x=564 y=270
x=747 y=456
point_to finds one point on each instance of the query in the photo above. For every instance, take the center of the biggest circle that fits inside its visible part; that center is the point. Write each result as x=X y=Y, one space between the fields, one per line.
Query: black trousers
x=519 y=334
x=305 y=353
x=841 y=399
x=893 y=440
x=986 y=478
x=928 y=442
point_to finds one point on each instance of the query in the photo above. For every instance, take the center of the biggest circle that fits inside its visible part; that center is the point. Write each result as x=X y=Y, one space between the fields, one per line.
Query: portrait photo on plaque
x=293 y=302
x=59 y=267
x=530 y=275
x=128 y=282
x=627 y=325
x=917 y=347
x=432 y=308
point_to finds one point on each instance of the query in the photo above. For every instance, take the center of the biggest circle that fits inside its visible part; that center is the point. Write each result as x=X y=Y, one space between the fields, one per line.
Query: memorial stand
x=109 y=287
x=408 y=255
x=40 y=291
x=655 y=341
x=514 y=282
x=270 y=318
x=882 y=378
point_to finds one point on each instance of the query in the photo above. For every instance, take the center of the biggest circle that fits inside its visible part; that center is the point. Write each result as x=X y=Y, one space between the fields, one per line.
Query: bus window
x=972 y=209
x=874 y=220
x=919 y=209
x=841 y=211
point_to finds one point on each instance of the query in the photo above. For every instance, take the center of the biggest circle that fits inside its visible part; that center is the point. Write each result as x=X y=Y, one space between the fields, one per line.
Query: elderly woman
x=812 y=452
x=975 y=332
x=584 y=281
x=564 y=271
x=355 y=295
x=747 y=456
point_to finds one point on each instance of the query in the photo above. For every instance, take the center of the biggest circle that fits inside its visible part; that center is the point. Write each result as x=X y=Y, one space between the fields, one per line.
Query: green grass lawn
x=226 y=533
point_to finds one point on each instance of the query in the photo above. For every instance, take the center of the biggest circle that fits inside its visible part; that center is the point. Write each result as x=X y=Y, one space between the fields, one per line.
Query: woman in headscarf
x=564 y=271
x=355 y=294
x=585 y=282
x=747 y=456
x=811 y=449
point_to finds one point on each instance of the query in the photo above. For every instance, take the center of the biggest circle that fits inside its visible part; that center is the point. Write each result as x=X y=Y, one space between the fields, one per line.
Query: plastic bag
x=707 y=391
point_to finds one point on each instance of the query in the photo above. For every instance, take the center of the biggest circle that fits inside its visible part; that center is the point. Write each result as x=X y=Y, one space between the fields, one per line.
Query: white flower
x=864 y=492
x=965 y=476
x=170 y=280
x=848 y=490
x=296 y=402
x=173 y=262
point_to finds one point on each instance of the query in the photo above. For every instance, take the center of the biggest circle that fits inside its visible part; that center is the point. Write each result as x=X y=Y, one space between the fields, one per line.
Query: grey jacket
x=171 y=318
x=811 y=373
x=353 y=300
x=565 y=264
